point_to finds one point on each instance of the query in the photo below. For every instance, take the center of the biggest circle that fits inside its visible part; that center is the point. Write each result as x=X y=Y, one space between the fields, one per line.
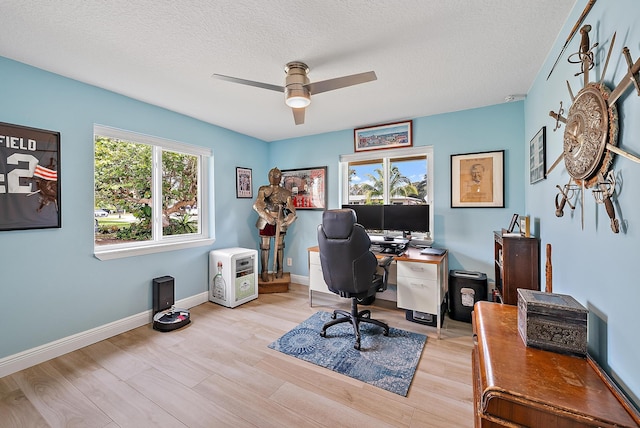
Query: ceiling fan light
x=299 y=101
x=297 y=96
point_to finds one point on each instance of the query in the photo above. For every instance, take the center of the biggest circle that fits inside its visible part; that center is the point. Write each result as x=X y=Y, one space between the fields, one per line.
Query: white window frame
x=386 y=156
x=161 y=243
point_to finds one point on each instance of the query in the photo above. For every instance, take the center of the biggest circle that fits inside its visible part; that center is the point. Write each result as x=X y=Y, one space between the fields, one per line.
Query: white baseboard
x=39 y=354
x=299 y=279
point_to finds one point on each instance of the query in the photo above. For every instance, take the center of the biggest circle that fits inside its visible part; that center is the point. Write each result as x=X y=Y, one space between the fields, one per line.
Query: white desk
x=422 y=281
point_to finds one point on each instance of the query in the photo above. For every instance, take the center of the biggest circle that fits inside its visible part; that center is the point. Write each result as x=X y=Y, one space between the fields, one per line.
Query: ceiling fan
x=298 y=89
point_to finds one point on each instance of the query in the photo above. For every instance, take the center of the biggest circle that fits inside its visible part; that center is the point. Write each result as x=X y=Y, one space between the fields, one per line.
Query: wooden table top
x=411 y=255
x=520 y=373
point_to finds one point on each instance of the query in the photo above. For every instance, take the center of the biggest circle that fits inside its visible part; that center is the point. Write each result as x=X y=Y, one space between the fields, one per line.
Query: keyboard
x=379 y=239
x=395 y=250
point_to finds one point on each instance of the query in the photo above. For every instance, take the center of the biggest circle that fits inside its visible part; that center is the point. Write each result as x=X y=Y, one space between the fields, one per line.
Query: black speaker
x=163 y=293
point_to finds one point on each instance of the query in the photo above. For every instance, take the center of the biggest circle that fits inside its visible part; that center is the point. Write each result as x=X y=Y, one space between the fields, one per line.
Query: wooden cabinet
x=515 y=385
x=517 y=265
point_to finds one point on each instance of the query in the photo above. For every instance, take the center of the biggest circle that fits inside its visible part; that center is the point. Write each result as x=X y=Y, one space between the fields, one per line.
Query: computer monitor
x=406 y=218
x=369 y=216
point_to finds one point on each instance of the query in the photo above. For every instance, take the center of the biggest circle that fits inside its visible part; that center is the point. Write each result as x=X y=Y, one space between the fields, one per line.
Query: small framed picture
x=512 y=225
x=538 y=157
x=525 y=226
x=244 y=184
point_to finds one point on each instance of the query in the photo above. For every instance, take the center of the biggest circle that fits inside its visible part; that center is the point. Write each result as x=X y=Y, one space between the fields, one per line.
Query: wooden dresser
x=515 y=385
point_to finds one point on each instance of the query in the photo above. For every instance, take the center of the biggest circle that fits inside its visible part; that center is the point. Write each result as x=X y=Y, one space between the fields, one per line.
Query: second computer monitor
x=406 y=218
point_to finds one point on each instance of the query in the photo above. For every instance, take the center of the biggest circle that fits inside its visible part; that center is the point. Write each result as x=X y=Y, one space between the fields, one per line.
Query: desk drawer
x=418 y=270
x=316 y=280
x=314 y=258
x=418 y=294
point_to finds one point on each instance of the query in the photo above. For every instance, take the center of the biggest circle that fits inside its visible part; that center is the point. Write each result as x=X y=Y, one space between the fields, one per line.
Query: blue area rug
x=387 y=362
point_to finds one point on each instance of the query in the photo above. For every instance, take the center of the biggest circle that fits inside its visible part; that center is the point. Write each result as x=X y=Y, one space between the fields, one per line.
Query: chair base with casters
x=355 y=317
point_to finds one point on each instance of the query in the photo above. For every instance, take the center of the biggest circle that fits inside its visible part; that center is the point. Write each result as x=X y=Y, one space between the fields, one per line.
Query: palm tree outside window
x=403 y=177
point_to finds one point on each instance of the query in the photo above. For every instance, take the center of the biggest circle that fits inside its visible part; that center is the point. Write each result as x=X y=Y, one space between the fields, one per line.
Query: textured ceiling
x=430 y=56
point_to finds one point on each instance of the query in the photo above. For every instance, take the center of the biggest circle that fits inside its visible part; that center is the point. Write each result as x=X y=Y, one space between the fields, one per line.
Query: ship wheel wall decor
x=591 y=133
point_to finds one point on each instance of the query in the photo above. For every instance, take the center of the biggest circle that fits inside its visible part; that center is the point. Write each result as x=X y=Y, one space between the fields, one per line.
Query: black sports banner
x=29 y=178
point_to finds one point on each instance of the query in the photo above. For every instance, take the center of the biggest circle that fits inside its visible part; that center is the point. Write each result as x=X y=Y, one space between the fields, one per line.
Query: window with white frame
x=398 y=176
x=149 y=193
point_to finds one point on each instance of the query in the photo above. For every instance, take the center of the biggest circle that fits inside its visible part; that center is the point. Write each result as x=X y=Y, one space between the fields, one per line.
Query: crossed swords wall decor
x=591 y=132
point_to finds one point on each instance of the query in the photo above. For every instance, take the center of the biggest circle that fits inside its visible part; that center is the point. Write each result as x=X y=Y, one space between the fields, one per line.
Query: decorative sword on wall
x=574 y=30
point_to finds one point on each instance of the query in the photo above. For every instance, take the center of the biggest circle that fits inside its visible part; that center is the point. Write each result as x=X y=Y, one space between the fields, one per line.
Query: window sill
x=118 y=253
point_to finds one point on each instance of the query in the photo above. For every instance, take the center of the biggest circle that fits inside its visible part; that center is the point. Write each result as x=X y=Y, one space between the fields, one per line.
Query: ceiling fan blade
x=298 y=115
x=250 y=83
x=340 y=82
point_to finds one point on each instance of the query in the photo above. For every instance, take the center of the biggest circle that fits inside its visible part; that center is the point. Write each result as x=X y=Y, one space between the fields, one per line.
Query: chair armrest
x=384 y=264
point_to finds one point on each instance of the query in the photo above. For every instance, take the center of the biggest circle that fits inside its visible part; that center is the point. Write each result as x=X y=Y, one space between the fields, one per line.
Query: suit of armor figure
x=275 y=209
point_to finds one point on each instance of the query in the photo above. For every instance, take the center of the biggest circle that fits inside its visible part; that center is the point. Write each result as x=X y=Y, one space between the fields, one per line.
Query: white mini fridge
x=239 y=268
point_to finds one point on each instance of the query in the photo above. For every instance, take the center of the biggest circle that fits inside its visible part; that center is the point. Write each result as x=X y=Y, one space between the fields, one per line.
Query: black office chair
x=349 y=268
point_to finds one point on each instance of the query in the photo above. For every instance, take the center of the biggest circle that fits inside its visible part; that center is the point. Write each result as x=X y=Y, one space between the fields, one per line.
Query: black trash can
x=465 y=289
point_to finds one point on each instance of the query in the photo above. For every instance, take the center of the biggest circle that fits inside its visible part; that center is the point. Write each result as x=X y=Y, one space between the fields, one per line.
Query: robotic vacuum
x=171 y=319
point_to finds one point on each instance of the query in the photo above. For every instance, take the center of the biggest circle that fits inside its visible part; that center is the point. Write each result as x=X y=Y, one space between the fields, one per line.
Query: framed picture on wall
x=538 y=157
x=387 y=136
x=29 y=178
x=477 y=180
x=307 y=186
x=244 y=185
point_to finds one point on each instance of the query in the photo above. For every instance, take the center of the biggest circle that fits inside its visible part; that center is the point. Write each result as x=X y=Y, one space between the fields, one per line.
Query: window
x=400 y=176
x=149 y=194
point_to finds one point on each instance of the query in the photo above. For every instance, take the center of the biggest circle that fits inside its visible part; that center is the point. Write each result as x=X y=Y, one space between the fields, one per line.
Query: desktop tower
x=165 y=316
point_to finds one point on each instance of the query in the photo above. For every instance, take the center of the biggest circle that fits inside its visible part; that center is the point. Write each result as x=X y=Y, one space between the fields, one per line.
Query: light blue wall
x=594 y=265
x=317 y=150
x=104 y=291
x=466 y=232
x=50 y=282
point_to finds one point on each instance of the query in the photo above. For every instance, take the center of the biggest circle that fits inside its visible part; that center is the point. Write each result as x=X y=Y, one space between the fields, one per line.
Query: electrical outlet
x=289 y=261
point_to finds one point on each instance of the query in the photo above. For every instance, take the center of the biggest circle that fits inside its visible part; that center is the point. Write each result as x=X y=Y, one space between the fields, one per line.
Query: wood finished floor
x=218 y=372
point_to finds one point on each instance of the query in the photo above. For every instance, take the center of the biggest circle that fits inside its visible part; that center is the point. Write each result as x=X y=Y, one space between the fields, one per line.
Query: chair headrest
x=338 y=224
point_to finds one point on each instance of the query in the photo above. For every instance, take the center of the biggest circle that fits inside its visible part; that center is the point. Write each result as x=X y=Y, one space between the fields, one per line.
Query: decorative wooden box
x=553 y=322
